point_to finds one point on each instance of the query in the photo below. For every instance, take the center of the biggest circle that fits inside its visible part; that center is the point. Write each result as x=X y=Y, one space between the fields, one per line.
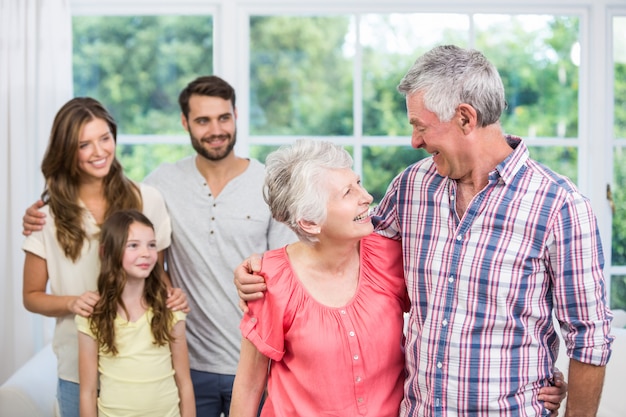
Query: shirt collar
x=512 y=164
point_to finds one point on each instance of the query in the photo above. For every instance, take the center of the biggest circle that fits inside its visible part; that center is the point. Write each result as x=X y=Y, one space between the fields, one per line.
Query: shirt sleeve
x=265 y=323
x=154 y=208
x=576 y=261
x=385 y=216
x=382 y=260
x=82 y=324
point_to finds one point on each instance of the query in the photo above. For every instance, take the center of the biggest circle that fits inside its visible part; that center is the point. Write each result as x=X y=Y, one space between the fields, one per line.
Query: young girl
x=132 y=340
x=84 y=184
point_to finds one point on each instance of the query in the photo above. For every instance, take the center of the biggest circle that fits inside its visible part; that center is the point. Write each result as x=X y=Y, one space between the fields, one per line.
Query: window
x=618 y=255
x=330 y=71
x=335 y=76
x=136 y=66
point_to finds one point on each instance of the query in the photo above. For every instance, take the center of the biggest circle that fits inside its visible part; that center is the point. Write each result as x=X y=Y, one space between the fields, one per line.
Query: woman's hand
x=177 y=300
x=83 y=304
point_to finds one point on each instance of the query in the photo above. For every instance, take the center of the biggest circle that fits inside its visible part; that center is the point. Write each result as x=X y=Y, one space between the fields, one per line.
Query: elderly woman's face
x=348 y=206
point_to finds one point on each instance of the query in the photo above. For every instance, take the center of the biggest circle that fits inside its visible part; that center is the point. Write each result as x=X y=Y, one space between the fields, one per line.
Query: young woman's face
x=140 y=254
x=96 y=150
x=348 y=207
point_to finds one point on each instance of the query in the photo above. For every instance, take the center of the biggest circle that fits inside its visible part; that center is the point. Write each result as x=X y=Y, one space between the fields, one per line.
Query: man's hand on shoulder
x=33 y=219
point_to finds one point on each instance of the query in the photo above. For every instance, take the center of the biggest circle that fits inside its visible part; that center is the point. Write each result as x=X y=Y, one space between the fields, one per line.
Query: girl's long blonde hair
x=62 y=174
x=112 y=279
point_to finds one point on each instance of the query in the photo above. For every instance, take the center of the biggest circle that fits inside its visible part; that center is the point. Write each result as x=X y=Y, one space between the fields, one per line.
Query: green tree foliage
x=137 y=65
x=300 y=77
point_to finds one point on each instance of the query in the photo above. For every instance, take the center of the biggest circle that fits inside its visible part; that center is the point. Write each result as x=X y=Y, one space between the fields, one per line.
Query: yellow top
x=139 y=380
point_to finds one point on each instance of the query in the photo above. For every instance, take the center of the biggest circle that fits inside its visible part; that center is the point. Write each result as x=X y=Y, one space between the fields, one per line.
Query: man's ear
x=467 y=117
x=183 y=121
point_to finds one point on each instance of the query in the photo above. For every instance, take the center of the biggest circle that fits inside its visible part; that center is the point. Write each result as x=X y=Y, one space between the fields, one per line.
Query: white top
x=68 y=278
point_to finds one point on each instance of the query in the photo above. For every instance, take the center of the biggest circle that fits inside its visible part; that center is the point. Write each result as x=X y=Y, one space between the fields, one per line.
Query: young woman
x=84 y=184
x=133 y=356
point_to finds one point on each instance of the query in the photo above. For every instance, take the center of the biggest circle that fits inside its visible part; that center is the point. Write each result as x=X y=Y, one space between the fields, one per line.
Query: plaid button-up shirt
x=481 y=340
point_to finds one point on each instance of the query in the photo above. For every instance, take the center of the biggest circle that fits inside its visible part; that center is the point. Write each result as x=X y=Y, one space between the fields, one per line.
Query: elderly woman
x=331 y=321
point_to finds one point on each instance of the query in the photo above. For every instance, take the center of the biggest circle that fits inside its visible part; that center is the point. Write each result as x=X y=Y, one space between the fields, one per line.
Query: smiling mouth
x=99 y=162
x=362 y=216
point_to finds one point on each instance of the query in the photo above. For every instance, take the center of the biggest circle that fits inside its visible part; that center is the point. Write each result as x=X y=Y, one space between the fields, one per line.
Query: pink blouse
x=328 y=361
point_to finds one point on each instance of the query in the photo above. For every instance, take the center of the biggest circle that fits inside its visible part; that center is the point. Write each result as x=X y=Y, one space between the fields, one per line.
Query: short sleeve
x=267 y=320
x=178 y=316
x=382 y=264
x=83 y=325
x=155 y=209
x=35 y=242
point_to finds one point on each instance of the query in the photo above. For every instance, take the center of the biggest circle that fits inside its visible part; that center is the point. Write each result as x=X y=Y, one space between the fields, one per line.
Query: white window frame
x=231 y=59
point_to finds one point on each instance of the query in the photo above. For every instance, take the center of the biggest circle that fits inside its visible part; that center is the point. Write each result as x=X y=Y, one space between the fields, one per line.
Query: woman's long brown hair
x=112 y=279
x=62 y=174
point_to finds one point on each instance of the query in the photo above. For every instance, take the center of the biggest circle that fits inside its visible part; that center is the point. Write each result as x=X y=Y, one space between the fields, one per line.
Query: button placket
x=358 y=371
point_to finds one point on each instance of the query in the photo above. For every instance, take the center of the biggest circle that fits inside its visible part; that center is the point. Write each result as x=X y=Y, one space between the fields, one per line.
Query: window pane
x=618 y=191
x=537 y=57
x=390 y=44
x=619 y=200
x=300 y=75
x=137 y=65
x=618 y=292
x=619 y=86
x=382 y=163
x=561 y=159
x=139 y=160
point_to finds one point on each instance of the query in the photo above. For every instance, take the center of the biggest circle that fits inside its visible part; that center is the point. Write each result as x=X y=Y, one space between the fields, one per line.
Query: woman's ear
x=309 y=227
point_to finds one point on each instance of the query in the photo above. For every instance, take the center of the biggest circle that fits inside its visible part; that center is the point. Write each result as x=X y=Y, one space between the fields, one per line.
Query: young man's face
x=211 y=126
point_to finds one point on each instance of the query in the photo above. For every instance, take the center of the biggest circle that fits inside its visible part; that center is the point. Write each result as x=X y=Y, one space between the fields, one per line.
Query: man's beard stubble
x=214 y=154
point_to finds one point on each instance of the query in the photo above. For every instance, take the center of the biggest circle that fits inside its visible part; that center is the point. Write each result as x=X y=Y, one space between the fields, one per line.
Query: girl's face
x=96 y=150
x=140 y=254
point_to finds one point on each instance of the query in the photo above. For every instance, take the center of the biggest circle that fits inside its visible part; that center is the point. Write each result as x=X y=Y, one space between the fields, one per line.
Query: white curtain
x=35 y=80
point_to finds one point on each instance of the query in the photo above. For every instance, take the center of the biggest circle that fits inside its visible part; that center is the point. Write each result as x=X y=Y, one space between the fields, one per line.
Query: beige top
x=68 y=278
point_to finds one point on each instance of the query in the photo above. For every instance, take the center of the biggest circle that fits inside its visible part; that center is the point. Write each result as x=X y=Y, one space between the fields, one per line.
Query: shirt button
x=343 y=311
x=450 y=279
x=357 y=379
x=253 y=319
x=444 y=323
x=355 y=357
x=360 y=400
x=459 y=237
x=351 y=333
x=439 y=365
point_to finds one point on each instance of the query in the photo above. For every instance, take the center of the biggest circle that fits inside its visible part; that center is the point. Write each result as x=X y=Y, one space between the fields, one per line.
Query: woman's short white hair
x=294 y=182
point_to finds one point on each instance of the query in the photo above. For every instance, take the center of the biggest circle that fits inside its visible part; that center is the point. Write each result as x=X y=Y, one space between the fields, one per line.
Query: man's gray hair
x=448 y=76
